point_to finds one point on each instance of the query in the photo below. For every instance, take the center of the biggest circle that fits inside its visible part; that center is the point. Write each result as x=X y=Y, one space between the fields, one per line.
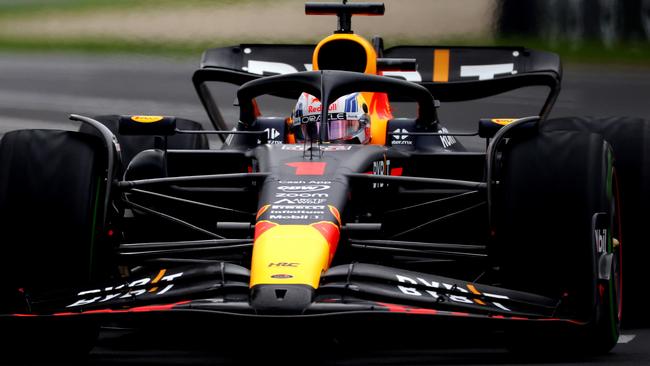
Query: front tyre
x=555 y=235
x=630 y=141
x=51 y=226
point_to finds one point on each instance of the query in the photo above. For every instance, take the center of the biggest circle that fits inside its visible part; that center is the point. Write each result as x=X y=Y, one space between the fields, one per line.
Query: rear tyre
x=555 y=228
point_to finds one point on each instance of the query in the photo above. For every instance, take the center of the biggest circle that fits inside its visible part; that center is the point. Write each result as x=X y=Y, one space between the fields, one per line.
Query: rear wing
x=451 y=74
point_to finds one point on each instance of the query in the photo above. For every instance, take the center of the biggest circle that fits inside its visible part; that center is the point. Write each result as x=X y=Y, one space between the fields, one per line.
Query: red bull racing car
x=137 y=219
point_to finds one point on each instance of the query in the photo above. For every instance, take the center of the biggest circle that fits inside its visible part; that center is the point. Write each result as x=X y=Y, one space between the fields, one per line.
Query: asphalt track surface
x=40 y=91
x=167 y=346
x=127 y=347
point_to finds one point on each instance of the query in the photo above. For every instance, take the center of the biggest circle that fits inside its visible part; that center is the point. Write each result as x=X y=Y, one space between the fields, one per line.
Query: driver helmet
x=348 y=120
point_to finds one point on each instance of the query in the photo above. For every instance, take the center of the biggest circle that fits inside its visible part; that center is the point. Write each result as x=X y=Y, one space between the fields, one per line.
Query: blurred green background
x=609 y=31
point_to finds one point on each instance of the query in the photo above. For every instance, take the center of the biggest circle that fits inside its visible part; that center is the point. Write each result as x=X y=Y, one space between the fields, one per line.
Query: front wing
x=362 y=291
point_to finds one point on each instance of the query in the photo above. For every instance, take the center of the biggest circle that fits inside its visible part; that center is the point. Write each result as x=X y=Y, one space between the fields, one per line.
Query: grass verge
x=30 y=8
x=104 y=46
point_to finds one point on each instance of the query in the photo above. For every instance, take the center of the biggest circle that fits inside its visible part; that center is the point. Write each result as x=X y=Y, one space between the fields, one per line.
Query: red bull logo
x=319 y=108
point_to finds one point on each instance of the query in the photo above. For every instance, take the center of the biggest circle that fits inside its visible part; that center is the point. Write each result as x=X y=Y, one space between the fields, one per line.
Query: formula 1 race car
x=137 y=219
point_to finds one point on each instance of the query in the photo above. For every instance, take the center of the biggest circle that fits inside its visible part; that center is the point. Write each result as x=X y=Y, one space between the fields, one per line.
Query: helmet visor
x=342 y=129
x=338 y=129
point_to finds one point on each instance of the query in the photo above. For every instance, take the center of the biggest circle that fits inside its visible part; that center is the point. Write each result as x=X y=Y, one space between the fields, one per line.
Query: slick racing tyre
x=630 y=140
x=557 y=234
x=50 y=207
